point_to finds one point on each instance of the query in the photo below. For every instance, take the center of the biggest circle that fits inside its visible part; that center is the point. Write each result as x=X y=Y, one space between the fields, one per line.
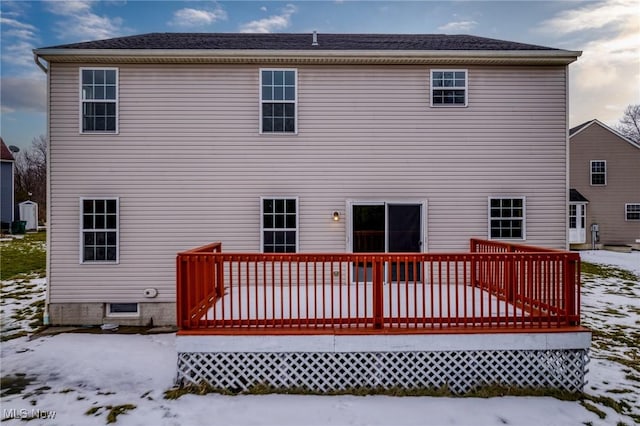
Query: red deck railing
x=496 y=286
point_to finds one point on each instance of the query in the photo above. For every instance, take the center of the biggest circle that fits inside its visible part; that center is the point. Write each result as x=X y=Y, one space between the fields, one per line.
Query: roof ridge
x=303 y=41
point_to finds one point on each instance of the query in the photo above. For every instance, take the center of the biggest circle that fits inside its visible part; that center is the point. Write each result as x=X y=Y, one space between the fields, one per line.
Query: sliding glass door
x=386 y=228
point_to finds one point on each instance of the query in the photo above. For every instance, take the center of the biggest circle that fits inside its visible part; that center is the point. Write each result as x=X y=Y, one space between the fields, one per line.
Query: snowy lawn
x=91 y=379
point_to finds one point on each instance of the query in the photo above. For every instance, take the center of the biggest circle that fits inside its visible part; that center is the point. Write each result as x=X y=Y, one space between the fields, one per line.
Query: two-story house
x=291 y=143
x=604 y=207
x=333 y=168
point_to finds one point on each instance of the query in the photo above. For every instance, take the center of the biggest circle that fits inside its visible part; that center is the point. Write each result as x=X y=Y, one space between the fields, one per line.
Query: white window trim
x=524 y=216
x=81 y=233
x=466 y=88
x=262 y=229
x=626 y=212
x=116 y=101
x=591 y=172
x=295 y=103
x=122 y=314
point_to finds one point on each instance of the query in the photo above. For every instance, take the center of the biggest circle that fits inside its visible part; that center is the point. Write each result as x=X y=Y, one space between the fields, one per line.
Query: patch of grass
x=6 y=337
x=618 y=391
x=593 y=409
x=635 y=364
x=607 y=272
x=487 y=391
x=13 y=385
x=114 y=412
x=93 y=411
x=620 y=407
x=23 y=256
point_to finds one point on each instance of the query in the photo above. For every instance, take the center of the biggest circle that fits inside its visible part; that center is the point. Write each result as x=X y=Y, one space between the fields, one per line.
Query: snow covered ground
x=79 y=379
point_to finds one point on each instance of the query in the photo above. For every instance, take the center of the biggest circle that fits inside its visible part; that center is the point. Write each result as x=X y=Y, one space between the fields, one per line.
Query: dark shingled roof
x=291 y=41
x=574 y=195
x=578 y=127
x=5 y=154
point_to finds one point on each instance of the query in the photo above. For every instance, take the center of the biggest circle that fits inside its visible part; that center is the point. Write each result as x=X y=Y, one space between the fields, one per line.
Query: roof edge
x=601 y=124
x=564 y=57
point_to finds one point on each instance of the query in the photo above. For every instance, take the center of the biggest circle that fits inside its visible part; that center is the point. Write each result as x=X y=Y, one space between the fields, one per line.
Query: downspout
x=44 y=69
x=47 y=293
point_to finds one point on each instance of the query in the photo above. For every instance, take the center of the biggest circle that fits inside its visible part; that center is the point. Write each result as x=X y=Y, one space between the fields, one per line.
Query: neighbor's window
x=507 y=218
x=278 y=101
x=279 y=225
x=448 y=88
x=122 y=309
x=632 y=211
x=598 y=172
x=99 y=100
x=99 y=220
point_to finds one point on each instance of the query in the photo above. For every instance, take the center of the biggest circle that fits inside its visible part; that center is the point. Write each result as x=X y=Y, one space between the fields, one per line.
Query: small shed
x=29 y=214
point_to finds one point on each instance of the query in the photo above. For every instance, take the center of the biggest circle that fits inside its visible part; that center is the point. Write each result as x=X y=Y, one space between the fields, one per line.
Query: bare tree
x=31 y=174
x=629 y=124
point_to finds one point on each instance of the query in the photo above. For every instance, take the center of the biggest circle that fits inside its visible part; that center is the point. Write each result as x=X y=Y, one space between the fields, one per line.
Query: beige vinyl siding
x=189 y=165
x=606 y=205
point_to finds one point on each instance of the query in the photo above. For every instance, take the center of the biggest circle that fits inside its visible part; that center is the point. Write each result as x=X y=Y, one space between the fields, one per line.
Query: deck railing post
x=510 y=276
x=179 y=288
x=219 y=274
x=472 y=270
x=570 y=288
x=378 y=290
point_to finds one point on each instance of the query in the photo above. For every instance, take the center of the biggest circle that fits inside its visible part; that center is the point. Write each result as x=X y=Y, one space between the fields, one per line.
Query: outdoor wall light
x=336 y=216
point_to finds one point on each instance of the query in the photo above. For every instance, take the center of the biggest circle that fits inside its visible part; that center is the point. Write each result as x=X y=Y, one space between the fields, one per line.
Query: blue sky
x=603 y=81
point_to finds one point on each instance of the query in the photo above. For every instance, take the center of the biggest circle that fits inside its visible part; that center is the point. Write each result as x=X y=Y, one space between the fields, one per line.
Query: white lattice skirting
x=461 y=370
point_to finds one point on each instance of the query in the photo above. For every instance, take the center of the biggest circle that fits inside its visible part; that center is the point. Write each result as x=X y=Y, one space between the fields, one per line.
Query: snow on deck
x=356 y=301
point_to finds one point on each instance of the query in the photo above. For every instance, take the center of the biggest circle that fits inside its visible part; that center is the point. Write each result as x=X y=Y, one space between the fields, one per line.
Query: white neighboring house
x=164 y=142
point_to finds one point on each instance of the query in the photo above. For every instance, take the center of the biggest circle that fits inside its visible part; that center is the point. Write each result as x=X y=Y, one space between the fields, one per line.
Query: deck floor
x=356 y=301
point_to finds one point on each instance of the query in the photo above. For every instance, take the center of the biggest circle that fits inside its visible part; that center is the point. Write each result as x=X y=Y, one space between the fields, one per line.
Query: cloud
x=458 y=26
x=16 y=24
x=18 y=40
x=23 y=94
x=80 y=23
x=605 y=78
x=591 y=16
x=272 y=23
x=188 y=17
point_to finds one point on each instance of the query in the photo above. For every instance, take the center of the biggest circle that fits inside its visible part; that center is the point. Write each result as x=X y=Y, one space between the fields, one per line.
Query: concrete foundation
x=162 y=313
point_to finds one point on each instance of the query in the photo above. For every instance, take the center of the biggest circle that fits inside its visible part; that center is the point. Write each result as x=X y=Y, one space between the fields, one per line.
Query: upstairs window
x=632 y=211
x=449 y=88
x=99 y=100
x=99 y=222
x=598 y=172
x=278 y=97
x=507 y=218
x=279 y=225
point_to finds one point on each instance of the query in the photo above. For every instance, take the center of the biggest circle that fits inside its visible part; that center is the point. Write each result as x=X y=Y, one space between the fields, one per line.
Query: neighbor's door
x=577 y=221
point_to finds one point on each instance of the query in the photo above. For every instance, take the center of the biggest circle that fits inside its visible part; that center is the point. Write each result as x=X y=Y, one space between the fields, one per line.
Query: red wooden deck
x=496 y=287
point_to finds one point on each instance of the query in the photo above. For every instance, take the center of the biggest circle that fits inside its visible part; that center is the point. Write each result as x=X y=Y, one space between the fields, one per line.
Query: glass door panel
x=368 y=236
x=405 y=236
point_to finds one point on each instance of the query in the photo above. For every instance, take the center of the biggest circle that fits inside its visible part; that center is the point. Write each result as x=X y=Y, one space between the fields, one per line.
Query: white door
x=577 y=220
x=29 y=214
